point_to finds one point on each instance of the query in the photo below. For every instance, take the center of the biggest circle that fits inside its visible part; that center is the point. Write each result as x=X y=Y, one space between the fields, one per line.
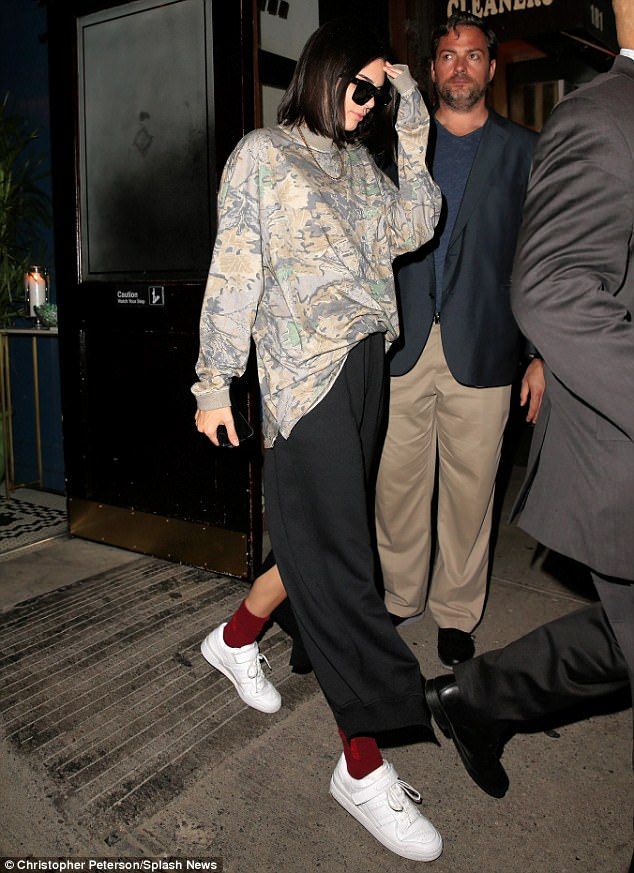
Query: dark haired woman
x=308 y=229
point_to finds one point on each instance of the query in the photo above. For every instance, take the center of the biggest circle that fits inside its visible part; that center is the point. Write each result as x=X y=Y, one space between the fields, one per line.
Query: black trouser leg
x=284 y=616
x=317 y=507
x=563 y=662
x=617 y=597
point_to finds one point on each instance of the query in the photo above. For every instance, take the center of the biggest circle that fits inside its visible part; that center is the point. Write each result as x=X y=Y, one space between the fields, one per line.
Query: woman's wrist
x=216 y=400
x=404 y=83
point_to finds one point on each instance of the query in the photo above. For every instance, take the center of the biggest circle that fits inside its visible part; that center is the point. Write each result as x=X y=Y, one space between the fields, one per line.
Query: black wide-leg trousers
x=581 y=656
x=316 y=486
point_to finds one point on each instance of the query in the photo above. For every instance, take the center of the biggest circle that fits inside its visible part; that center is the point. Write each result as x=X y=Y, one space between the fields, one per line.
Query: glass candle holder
x=35 y=291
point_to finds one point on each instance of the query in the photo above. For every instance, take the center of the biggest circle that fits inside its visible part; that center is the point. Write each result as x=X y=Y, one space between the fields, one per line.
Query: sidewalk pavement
x=257 y=794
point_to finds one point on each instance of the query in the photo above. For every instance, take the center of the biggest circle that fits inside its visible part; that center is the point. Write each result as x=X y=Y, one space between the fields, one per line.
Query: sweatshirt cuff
x=404 y=83
x=217 y=400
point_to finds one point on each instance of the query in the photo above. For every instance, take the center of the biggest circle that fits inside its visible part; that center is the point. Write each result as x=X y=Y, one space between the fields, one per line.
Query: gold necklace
x=316 y=162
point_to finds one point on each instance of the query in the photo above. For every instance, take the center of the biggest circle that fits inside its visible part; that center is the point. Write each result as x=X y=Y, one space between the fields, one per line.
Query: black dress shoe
x=396 y=619
x=477 y=741
x=403 y=620
x=454 y=646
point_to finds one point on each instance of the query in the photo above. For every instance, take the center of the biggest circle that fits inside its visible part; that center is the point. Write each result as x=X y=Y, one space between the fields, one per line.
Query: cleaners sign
x=522 y=19
x=493 y=7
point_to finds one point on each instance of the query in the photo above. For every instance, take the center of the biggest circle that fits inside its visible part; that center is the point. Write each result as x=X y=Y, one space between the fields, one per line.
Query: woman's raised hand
x=391 y=71
x=209 y=420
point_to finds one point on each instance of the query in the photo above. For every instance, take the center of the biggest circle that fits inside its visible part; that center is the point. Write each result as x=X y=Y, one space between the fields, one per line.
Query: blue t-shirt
x=452 y=162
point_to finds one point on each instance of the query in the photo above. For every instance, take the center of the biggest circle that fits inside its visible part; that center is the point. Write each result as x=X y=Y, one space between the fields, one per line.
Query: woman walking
x=308 y=229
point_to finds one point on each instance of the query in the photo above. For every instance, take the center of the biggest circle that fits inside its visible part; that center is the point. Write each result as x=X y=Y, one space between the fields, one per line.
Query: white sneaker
x=382 y=803
x=243 y=667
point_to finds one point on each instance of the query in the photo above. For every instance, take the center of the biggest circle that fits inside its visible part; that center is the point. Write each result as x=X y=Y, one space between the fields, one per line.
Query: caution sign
x=154 y=295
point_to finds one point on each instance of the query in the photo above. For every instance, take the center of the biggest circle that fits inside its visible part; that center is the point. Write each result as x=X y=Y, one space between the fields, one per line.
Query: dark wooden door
x=148 y=99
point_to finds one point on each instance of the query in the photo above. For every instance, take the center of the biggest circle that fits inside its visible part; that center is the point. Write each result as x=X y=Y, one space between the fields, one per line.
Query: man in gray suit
x=573 y=296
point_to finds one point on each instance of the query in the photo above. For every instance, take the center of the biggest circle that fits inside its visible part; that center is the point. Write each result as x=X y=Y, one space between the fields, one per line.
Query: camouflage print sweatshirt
x=303 y=259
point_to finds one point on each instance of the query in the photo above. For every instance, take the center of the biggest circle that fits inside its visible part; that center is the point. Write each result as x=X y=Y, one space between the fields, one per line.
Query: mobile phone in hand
x=243 y=430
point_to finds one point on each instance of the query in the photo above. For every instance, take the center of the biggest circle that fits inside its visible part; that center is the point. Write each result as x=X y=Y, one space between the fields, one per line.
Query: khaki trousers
x=434 y=416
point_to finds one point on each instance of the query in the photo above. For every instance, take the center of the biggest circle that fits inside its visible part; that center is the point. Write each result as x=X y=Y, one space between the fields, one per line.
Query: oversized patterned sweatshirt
x=302 y=262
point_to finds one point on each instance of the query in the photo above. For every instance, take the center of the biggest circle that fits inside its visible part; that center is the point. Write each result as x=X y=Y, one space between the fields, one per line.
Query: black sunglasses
x=366 y=91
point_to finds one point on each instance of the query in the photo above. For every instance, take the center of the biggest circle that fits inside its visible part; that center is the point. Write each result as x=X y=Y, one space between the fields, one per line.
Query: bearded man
x=573 y=294
x=459 y=351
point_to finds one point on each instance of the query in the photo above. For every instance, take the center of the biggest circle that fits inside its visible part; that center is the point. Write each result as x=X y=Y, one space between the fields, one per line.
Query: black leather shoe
x=403 y=620
x=454 y=646
x=477 y=742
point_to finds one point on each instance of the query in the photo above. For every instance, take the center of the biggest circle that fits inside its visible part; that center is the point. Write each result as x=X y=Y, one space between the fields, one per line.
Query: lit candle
x=37 y=291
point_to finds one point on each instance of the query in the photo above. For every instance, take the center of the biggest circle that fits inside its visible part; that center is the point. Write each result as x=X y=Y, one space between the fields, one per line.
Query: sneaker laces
x=255 y=671
x=396 y=797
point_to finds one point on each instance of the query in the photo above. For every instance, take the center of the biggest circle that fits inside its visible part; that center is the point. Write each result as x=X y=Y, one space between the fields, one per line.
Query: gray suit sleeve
x=573 y=256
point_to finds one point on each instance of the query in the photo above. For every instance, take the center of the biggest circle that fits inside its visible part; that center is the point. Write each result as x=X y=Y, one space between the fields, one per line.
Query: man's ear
x=492 y=66
x=432 y=72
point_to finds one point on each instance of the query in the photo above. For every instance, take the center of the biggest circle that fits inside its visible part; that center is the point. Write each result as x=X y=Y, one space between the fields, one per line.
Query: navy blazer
x=481 y=341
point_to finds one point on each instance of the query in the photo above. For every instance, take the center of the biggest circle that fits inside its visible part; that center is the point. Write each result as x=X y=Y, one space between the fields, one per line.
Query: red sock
x=362 y=755
x=243 y=627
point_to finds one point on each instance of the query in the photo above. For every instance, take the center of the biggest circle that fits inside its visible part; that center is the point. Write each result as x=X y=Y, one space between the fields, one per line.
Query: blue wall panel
x=24 y=76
